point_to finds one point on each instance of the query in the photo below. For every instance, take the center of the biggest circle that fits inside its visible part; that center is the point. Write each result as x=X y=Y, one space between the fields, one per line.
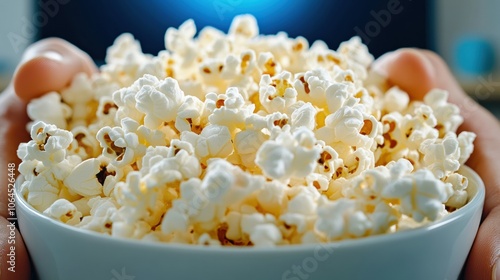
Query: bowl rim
x=477 y=200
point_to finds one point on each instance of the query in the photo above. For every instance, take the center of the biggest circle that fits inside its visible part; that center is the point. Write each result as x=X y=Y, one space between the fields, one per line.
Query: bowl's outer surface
x=436 y=251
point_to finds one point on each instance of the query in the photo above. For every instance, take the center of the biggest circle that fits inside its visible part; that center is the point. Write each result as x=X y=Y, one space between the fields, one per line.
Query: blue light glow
x=272 y=15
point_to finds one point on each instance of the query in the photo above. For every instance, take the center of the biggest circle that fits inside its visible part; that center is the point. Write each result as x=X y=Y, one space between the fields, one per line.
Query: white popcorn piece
x=63 y=211
x=311 y=86
x=244 y=26
x=123 y=59
x=329 y=163
x=441 y=156
x=420 y=127
x=99 y=220
x=228 y=109
x=289 y=155
x=370 y=184
x=214 y=141
x=304 y=116
x=421 y=194
x=383 y=218
x=341 y=218
x=49 y=144
x=83 y=179
x=159 y=103
x=395 y=100
x=447 y=115
x=190 y=115
x=78 y=95
x=350 y=126
x=152 y=156
x=122 y=47
x=318 y=181
x=360 y=160
x=465 y=144
x=261 y=229
x=41 y=193
x=180 y=41
x=355 y=50
x=49 y=109
x=301 y=212
x=272 y=197
x=138 y=202
x=175 y=220
x=207 y=240
x=84 y=144
x=268 y=64
x=120 y=146
x=246 y=144
x=124 y=230
x=182 y=166
x=276 y=94
x=460 y=195
x=339 y=95
x=265 y=235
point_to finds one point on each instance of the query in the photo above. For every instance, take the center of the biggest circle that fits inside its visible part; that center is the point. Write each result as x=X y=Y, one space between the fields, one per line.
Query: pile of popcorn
x=242 y=139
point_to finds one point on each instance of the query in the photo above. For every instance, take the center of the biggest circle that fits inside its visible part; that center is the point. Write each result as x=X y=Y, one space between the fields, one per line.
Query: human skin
x=50 y=64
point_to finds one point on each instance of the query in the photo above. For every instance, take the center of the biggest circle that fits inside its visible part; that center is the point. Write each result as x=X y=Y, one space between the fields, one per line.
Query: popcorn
x=63 y=211
x=242 y=139
x=311 y=86
x=304 y=116
x=50 y=109
x=159 y=103
x=119 y=145
x=228 y=109
x=447 y=115
x=340 y=219
x=48 y=144
x=459 y=196
x=277 y=94
x=83 y=179
x=214 y=141
x=190 y=116
x=420 y=194
x=78 y=94
x=289 y=155
x=441 y=156
x=350 y=126
x=396 y=100
x=244 y=26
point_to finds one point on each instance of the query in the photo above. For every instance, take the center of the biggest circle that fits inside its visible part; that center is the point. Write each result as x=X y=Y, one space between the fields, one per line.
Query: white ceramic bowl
x=436 y=251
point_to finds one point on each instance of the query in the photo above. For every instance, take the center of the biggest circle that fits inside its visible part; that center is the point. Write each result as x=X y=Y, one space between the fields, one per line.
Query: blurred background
x=464 y=32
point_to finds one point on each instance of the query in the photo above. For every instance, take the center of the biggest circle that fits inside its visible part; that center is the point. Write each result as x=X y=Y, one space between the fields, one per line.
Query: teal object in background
x=474 y=56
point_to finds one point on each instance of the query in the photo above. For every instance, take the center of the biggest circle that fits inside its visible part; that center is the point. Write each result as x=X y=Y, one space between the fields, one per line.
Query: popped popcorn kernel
x=63 y=211
x=242 y=139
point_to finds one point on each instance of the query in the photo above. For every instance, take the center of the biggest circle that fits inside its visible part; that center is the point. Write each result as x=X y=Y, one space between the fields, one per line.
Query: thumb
x=49 y=65
x=483 y=261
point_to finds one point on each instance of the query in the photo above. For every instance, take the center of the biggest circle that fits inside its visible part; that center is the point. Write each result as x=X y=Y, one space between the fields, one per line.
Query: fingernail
x=495 y=272
x=52 y=55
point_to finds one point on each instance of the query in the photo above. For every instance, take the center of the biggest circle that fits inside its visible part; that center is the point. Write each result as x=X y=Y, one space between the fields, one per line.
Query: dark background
x=93 y=25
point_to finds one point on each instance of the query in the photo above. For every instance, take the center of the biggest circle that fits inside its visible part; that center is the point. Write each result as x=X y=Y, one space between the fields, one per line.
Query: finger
x=409 y=70
x=13 y=253
x=483 y=258
x=49 y=65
